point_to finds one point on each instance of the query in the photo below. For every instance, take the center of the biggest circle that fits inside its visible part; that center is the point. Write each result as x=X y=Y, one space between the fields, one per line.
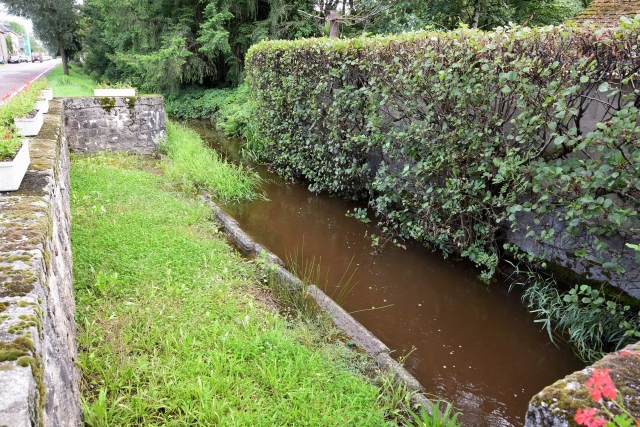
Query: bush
x=453 y=135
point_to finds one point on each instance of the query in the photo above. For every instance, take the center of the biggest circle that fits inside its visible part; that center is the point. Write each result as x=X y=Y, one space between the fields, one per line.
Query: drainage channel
x=470 y=343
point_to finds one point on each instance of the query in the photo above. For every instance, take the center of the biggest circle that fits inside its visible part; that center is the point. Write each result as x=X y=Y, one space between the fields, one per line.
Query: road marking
x=25 y=85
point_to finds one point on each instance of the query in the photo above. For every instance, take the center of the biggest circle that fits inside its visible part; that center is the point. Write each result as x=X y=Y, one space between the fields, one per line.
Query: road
x=14 y=76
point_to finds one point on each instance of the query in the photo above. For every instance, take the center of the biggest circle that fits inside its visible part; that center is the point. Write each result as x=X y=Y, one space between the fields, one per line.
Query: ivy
x=456 y=136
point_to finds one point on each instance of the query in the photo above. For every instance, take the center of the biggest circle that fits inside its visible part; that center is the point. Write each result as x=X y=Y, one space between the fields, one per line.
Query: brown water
x=473 y=344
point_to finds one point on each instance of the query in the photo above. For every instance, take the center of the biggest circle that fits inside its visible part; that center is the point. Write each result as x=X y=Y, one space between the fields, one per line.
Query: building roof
x=608 y=12
x=5 y=28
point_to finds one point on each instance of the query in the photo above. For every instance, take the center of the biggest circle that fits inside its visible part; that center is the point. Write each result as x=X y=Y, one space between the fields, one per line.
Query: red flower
x=601 y=385
x=586 y=418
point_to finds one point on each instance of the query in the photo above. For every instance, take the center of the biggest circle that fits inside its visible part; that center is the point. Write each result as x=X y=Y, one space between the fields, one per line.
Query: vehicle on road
x=1 y=59
x=24 y=58
x=14 y=59
x=46 y=58
x=36 y=56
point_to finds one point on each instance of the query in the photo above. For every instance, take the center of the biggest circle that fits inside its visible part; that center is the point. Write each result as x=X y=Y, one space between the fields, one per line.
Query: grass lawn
x=75 y=84
x=174 y=328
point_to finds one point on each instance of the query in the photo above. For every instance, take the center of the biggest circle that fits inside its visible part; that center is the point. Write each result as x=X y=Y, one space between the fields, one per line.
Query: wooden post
x=334 y=30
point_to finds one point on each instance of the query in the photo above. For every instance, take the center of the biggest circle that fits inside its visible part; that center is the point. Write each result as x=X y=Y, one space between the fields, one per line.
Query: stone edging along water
x=343 y=320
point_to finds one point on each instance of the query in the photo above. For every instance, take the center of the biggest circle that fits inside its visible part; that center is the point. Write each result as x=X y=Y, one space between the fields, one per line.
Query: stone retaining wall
x=129 y=124
x=39 y=383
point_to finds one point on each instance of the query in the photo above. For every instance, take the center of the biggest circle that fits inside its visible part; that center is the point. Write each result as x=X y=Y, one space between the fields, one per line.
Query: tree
x=55 y=23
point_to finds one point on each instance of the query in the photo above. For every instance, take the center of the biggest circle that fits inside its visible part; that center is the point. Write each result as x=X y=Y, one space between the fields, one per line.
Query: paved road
x=14 y=76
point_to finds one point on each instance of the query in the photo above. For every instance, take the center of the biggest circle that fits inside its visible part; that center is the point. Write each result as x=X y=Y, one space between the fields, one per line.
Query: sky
x=4 y=16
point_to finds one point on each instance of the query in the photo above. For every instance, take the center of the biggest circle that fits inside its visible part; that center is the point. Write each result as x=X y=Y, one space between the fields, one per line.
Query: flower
x=586 y=418
x=601 y=385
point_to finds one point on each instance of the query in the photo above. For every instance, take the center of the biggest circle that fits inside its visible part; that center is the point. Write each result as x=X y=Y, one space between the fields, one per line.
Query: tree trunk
x=334 y=30
x=63 y=55
x=476 y=14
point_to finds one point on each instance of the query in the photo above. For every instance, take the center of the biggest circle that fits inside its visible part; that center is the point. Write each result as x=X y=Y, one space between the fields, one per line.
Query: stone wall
x=129 y=124
x=39 y=383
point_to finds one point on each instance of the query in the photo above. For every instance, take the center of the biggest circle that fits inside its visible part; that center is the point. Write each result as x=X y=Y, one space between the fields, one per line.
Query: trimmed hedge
x=453 y=135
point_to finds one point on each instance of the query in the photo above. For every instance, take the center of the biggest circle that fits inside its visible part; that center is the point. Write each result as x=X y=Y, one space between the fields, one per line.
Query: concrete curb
x=343 y=320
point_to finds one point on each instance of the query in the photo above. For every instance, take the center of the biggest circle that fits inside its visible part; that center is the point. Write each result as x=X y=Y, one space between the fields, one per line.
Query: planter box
x=11 y=173
x=43 y=106
x=29 y=126
x=114 y=92
x=47 y=94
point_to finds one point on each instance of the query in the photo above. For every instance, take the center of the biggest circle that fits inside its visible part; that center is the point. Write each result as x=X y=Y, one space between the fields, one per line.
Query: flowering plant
x=601 y=387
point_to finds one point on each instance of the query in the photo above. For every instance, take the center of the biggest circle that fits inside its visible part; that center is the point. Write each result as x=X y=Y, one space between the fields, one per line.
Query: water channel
x=470 y=343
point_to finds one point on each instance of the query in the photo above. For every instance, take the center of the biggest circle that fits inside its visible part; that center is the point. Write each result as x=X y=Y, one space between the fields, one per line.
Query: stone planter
x=11 y=173
x=47 y=94
x=29 y=126
x=114 y=92
x=43 y=105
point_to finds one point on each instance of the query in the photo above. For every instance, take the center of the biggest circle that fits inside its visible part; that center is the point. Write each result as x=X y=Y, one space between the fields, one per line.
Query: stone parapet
x=127 y=124
x=39 y=383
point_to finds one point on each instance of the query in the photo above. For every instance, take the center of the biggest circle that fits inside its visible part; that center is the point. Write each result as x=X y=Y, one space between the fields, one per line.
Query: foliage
x=230 y=109
x=436 y=419
x=592 y=323
x=407 y=15
x=18 y=106
x=161 y=45
x=76 y=83
x=55 y=23
x=192 y=163
x=172 y=327
x=455 y=135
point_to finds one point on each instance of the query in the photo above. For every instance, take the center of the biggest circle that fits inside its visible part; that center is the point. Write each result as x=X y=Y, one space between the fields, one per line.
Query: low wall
x=39 y=383
x=129 y=124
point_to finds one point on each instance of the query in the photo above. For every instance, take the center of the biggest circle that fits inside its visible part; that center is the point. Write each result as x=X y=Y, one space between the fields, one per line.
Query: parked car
x=1 y=59
x=24 y=58
x=14 y=59
x=46 y=58
x=36 y=56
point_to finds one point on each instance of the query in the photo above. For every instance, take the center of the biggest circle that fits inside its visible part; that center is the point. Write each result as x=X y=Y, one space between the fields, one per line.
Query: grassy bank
x=174 y=328
x=75 y=84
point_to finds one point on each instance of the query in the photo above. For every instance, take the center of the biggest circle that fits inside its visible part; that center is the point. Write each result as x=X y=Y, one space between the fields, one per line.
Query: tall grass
x=170 y=329
x=193 y=163
x=75 y=84
x=592 y=323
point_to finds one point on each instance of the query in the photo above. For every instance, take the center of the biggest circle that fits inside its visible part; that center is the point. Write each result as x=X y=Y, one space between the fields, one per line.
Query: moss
x=21 y=346
x=107 y=103
x=3 y=306
x=26 y=322
x=25 y=361
x=131 y=102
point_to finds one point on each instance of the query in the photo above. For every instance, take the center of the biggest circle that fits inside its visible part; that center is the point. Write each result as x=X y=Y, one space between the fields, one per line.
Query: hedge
x=454 y=135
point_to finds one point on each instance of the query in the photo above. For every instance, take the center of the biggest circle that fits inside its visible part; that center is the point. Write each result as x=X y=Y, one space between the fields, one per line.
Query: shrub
x=453 y=135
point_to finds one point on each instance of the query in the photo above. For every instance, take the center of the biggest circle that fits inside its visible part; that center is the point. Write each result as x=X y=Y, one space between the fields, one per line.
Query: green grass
x=194 y=163
x=75 y=84
x=173 y=329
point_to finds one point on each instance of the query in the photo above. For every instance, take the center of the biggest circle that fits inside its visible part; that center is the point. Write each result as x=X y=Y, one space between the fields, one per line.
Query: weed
x=448 y=418
x=194 y=163
x=176 y=338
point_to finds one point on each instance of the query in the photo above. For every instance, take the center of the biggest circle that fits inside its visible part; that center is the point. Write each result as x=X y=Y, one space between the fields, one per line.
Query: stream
x=467 y=342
